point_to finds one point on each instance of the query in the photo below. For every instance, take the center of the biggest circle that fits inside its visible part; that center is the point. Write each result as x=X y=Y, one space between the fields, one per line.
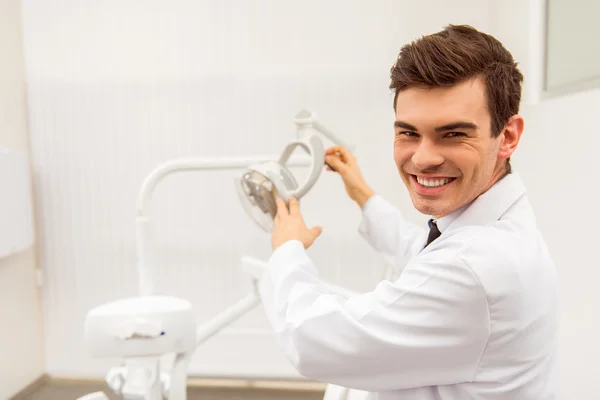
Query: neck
x=499 y=173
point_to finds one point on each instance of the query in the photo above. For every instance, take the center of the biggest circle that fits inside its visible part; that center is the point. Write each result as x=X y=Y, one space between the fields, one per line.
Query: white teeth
x=433 y=182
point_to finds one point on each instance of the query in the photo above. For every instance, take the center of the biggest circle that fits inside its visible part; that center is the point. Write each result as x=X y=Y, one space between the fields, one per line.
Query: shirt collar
x=488 y=207
x=444 y=222
x=491 y=205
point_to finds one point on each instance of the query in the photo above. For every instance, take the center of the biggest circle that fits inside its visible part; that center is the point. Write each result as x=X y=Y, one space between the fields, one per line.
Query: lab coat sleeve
x=429 y=327
x=385 y=229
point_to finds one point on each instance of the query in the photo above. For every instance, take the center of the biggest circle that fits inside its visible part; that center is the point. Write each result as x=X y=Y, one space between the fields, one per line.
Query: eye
x=455 y=134
x=408 y=133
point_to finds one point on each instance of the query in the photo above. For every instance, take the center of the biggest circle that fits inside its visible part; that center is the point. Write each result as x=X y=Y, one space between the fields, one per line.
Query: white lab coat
x=471 y=316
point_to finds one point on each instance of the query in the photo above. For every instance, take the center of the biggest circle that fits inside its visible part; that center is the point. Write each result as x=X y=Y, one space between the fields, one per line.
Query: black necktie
x=434 y=232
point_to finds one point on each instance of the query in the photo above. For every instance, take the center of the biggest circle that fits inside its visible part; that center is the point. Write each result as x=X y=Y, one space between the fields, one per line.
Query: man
x=471 y=311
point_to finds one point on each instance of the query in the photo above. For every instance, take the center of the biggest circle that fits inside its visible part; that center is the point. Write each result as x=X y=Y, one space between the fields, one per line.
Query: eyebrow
x=405 y=125
x=444 y=128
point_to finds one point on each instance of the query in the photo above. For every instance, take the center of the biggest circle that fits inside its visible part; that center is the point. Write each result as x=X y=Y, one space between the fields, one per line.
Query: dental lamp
x=140 y=330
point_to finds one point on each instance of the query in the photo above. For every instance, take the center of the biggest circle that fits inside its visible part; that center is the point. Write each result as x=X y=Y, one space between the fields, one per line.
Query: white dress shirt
x=471 y=316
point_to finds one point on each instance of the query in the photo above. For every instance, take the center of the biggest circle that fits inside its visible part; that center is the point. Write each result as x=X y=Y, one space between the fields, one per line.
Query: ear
x=510 y=136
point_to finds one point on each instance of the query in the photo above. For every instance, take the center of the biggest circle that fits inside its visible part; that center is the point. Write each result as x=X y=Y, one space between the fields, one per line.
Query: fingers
x=294 y=208
x=333 y=149
x=334 y=163
x=282 y=210
x=342 y=152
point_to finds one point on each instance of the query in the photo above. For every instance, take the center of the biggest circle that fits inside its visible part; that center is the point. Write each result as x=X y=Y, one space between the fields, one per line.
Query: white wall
x=118 y=87
x=21 y=353
x=558 y=160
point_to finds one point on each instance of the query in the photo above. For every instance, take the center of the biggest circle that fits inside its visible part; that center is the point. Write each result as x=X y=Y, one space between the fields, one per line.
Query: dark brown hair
x=456 y=54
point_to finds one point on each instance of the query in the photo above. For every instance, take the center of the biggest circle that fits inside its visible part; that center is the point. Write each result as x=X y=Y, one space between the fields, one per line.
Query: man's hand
x=289 y=225
x=340 y=160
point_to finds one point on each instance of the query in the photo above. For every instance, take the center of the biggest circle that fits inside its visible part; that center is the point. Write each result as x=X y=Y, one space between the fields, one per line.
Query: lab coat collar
x=491 y=205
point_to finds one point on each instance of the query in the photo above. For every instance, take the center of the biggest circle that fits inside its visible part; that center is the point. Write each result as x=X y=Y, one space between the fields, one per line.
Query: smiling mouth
x=433 y=182
x=431 y=185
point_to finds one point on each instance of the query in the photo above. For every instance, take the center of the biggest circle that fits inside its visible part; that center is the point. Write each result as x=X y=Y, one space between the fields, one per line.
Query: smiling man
x=471 y=310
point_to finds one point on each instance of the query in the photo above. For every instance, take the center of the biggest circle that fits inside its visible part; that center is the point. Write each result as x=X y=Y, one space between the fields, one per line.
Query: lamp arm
x=307 y=120
x=331 y=136
x=145 y=231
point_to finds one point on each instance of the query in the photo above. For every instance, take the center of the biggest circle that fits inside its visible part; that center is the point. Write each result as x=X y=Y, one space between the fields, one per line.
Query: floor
x=73 y=390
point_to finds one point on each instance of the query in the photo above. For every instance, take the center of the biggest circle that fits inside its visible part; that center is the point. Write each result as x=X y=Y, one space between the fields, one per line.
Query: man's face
x=443 y=146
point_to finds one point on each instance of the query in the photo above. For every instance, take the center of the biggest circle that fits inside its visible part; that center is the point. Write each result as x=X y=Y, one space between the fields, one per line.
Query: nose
x=427 y=155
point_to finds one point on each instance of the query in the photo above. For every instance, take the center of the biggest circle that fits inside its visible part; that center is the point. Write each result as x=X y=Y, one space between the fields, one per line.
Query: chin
x=426 y=207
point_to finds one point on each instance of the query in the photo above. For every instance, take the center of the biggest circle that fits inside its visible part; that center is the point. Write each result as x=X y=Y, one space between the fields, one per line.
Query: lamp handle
x=313 y=145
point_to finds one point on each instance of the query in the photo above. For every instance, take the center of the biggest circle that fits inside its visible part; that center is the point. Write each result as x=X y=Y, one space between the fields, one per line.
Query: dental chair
x=142 y=331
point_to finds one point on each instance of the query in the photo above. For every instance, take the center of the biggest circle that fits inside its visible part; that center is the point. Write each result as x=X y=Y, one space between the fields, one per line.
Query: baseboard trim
x=219 y=383
x=34 y=386
x=262 y=384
